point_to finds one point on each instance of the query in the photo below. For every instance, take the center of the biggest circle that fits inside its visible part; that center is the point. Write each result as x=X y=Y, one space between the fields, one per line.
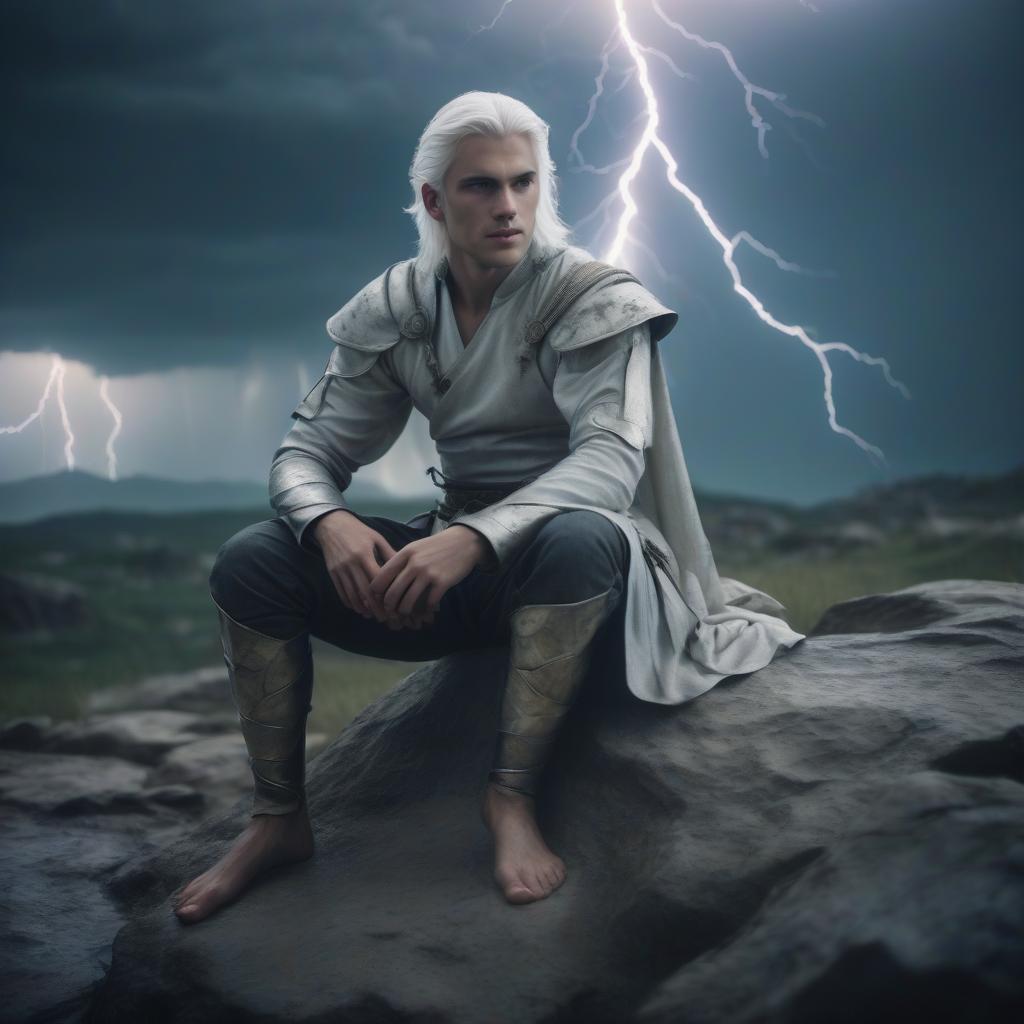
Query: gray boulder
x=217 y=767
x=140 y=736
x=835 y=837
x=67 y=822
x=202 y=691
x=31 y=601
x=913 y=916
x=77 y=801
x=26 y=733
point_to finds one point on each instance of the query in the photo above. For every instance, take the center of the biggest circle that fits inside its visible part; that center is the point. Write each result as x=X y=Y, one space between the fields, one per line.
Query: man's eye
x=522 y=183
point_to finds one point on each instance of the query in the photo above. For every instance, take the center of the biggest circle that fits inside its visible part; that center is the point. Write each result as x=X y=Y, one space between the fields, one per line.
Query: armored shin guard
x=548 y=660
x=271 y=683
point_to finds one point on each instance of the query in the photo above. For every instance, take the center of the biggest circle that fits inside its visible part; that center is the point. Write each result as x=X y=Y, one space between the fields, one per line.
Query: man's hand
x=421 y=573
x=353 y=553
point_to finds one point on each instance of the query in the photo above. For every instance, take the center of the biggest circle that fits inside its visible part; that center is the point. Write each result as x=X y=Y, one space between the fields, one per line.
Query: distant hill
x=890 y=506
x=936 y=505
x=941 y=495
x=71 y=491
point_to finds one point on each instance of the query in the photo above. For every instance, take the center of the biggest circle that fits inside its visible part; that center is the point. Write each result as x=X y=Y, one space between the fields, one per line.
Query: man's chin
x=491 y=256
x=503 y=256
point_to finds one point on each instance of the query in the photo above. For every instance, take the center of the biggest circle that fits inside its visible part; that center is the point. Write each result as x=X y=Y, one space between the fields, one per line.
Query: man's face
x=490 y=187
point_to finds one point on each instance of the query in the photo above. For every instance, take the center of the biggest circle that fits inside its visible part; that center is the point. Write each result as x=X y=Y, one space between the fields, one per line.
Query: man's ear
x=432 y=202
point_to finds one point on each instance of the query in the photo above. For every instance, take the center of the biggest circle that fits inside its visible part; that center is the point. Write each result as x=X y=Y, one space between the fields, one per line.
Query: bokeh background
x=192 y=189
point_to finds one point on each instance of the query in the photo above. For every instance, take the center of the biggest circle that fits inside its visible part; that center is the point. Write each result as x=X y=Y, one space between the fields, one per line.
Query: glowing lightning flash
x=115 y=412
x=57 y=371
x=56 y=377
x=761 y=126
x=651 y=138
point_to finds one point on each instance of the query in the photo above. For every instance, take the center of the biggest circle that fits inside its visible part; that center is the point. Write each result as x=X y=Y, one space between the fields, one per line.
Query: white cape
x=708 y=627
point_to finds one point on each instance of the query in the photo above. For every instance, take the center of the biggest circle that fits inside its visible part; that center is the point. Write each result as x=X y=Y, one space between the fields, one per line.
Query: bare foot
x=268 y=840
x=524 y=867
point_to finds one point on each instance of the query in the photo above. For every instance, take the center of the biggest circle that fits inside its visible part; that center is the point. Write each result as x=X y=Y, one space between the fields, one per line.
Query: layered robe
x=584 y=417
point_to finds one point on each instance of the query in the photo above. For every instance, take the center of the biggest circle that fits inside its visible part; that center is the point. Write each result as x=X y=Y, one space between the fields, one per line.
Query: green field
x=150 y=610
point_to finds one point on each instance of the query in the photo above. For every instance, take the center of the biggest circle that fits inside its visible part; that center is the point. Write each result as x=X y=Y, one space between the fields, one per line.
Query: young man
x=536 y=369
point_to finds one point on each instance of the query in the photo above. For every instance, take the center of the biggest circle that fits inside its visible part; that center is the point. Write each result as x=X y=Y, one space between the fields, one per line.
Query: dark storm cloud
x=182 y=174
x=192 y=184
x=189 y=181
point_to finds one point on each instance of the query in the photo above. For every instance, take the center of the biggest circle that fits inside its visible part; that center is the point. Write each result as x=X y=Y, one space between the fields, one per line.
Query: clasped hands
x=400 y=588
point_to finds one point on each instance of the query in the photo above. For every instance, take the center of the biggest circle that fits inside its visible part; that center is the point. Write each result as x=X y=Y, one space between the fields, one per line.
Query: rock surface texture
x=837 y=837
x=80 y=799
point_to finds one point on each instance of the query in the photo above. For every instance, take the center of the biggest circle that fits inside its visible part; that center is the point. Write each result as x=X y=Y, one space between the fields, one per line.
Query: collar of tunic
x=534 y=260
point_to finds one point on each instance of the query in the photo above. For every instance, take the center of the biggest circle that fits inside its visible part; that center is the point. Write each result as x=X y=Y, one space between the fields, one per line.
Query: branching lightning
x=494 y=20
x=115 y=412
x=777 y=99
x=56 y=380
x=628 y=168
x=651 y=139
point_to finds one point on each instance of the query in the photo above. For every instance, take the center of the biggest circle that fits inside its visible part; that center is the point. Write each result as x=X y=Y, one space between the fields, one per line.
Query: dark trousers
x=265 y=581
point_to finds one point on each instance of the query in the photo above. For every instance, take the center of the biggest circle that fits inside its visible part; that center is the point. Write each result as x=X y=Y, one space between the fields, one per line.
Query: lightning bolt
x=115 y=412
x=56 y=378
x=777 y=99
x=56 y=381
x=651 y=139
x=494 y=20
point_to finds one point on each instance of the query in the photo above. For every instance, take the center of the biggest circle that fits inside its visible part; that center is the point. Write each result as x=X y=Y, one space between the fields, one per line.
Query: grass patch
x=145 y=578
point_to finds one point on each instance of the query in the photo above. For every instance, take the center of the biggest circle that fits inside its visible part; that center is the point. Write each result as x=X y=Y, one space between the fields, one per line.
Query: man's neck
x=472 y=286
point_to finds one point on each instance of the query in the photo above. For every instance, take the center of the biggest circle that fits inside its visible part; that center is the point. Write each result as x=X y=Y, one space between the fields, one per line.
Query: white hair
x=480 y=113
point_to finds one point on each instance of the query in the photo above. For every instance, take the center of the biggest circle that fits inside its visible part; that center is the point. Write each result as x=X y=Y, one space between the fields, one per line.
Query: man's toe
x=183 y=896
x=188 y=913
x=541 y=886
x=521 y=890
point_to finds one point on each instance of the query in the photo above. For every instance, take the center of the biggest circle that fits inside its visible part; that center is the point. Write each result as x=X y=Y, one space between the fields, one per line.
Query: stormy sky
x=192 y=189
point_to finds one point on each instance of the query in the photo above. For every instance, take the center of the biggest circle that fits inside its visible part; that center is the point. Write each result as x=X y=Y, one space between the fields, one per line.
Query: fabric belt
x=461 y=496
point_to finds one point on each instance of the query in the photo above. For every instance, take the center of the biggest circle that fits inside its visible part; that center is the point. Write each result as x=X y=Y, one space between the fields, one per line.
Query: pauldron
x=581 y=301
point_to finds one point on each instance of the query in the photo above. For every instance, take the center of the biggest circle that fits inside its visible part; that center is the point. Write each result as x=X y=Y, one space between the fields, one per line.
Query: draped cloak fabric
x=588 y=423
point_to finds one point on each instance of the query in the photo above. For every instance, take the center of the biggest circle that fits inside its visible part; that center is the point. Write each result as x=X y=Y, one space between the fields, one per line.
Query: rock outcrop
x=837 y=837
x=30 y=601
x=80 y=799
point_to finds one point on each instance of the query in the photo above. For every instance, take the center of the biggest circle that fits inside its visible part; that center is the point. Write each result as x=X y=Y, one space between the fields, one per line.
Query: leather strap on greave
x=271 y=683
x=548 y=660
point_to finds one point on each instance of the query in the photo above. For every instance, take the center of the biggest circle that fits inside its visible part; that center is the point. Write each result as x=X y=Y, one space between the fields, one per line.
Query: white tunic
x=577 y=423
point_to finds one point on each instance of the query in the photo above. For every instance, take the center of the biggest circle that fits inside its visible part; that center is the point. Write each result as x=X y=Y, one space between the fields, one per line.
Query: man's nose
x=505 y=206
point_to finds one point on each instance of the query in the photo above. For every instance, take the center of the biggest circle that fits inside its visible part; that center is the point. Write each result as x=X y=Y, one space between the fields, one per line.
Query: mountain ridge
x=885 y=506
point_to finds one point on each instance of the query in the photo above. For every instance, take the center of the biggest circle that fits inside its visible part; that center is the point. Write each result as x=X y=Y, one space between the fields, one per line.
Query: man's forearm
x=486 y=558
x=302 y=492
x=347 y=423
x=319 y=526
x=602 y=473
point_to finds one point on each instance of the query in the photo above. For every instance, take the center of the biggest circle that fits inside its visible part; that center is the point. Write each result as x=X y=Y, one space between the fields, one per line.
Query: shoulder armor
x=397 y=304
x=349 y=362
x=608 y=308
